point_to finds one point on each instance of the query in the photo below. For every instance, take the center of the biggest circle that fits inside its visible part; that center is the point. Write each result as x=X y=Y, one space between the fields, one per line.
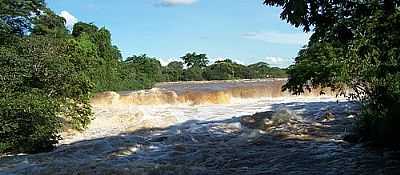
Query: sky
x=245 y=31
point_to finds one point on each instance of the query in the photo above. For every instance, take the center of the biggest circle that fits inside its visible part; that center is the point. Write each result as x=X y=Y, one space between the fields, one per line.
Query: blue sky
x=243 y=30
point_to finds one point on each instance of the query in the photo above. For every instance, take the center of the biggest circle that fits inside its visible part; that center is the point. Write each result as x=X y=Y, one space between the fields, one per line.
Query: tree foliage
x=44 y=88
x=354 y=44
x=195 y=60
x=148 y=70
x=84 y=28
x=50 y=24
x=16 y=16
x=220 y=70
x=174 y=71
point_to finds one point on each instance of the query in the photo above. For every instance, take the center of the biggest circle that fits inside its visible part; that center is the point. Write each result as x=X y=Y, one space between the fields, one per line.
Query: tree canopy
x=355 y=45
x=197 y=60
x=16 y=16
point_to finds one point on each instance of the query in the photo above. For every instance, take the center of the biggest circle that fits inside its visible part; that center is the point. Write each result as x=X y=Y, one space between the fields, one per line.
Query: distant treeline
x=140 y=72
x=111 y=72
x=48 y=74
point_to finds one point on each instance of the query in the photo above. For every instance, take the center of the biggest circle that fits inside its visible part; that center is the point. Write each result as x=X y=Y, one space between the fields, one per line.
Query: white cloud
x=278 y=61
x=279 y=37
x=171 y=3
x=70 y=20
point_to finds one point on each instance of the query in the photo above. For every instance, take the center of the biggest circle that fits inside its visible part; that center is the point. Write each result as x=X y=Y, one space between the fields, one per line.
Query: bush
x=43 y=88
x=28 y=122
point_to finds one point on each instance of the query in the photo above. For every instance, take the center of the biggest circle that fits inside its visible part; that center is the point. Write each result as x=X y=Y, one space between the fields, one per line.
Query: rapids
x=221 y=127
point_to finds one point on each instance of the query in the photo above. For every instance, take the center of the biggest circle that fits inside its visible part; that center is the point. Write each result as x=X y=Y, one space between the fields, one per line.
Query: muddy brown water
x=276 y=134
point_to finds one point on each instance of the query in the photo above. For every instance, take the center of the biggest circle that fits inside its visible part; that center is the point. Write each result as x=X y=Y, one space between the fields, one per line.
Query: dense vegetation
x=42 y=78
x=48 y=73
x=355 y=44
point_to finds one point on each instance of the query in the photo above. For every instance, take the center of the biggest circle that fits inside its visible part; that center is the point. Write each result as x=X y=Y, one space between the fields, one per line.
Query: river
x=220 y=127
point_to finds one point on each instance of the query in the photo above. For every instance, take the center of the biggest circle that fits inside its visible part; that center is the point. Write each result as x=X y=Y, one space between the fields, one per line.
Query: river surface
x=222 y=127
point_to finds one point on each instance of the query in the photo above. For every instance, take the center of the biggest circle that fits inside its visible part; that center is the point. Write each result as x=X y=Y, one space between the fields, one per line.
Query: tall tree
x=50 y=24
x=148 y=69
x=174 y=71
x=220 y=70
x=43 y=83
x=81 y=27
x=357 y=44
x=193 y=59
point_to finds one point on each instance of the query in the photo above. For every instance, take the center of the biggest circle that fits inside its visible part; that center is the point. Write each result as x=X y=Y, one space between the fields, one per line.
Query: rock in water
x=284 y=116
x=328 y=116
x=265 y=120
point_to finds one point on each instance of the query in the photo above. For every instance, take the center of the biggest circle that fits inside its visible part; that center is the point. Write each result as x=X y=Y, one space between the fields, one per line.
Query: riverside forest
x=73 y=100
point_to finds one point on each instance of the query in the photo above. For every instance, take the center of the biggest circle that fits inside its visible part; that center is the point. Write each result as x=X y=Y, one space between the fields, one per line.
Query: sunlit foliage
x=354 y=44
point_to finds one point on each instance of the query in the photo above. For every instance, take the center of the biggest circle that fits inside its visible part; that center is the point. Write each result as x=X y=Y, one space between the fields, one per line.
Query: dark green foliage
x=16 y=16
x=195 y=60
x=242 y=71
x=276 y=72
x=318 y=65
x=43 y=88
x=220 y=70
x=174 y=71
x=107 y=71
x=195 y=64
x=148 y=70
x=81 y=28
x=262 y=70
x=355 y=43
x=28 y=122
x=259 y=70
x=50 y=24
x=193 y=73
x=228 y=70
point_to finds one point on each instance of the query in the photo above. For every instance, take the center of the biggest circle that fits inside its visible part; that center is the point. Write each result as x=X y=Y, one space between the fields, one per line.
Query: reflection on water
x=235 y=127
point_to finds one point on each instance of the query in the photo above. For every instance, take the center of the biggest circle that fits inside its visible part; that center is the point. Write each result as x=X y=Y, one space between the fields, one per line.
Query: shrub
x=28 y=122
x=43 y=87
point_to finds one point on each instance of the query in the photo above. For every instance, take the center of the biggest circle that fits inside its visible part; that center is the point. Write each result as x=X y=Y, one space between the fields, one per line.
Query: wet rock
x=328 y=116
x=272 y=121
x=284 y=116
x=256 y=121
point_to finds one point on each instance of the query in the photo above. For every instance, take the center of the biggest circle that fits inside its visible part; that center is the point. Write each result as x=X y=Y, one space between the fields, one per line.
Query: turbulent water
x=222 y=127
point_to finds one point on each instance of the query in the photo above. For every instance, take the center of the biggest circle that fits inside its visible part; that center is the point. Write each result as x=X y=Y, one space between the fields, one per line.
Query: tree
x=107 y=73
x=43 y=90
x=148 y=69
x=220 y=70
x=16 y=16
x=81 y=27
x=197 y=60
x=50 y=24
x=44 y=87
x=174 y=71
x=260 y=70
x=358 y=44
x=194 y=73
